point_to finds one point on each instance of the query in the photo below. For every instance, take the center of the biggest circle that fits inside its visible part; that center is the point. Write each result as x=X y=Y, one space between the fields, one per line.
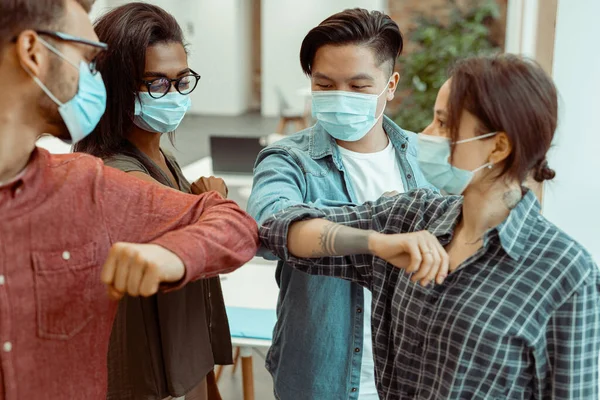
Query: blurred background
x=247 y=50
x=253 y=90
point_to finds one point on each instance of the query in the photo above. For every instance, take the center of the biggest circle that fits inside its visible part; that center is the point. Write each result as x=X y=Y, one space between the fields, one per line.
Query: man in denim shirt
x=322 y=346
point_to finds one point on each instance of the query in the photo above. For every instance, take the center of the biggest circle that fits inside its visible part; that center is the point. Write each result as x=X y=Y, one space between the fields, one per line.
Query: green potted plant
x=439 y=45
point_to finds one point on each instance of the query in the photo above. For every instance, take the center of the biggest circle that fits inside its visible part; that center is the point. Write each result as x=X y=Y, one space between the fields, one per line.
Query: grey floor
x=230 y=385
x=192 y=144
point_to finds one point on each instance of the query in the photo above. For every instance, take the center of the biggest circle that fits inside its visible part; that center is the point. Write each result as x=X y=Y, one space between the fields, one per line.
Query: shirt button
x=403 y=146
x=353 y=390
x=357 y=350
x=2 y=280
x=359 y=310
x=66 y=255
x=7 y=347
x=409 y=176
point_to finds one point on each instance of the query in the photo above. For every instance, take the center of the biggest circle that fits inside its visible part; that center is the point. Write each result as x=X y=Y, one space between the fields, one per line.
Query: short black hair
x=373 y=29
x=128 y=30
x=19 y=15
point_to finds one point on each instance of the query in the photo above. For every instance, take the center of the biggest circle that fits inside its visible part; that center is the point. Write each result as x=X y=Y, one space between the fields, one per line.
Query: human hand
x=419 y=253
x=205 y=184
x=139 y=269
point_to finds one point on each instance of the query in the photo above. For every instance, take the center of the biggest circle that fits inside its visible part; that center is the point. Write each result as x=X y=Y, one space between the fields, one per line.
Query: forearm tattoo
x=339 y=240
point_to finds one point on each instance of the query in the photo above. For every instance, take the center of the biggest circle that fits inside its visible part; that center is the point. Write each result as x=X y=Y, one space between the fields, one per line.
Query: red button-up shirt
x=58 y=221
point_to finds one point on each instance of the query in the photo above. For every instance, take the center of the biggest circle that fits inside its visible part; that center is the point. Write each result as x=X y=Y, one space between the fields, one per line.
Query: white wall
x=521 y=27
x=244 y=71
x=572 y=201
x=217 y=32
x=284 y=25
x=98 y=8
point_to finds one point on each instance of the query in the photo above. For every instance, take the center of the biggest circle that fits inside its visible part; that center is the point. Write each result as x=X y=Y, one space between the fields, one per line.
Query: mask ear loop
x=39 y=82
x=488 y=165
x=58 y=53
x=487 y=135
x=42 y=86
x=387 y=87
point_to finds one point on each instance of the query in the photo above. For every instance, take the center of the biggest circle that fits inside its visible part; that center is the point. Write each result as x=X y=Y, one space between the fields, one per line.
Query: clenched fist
x=139 y=269
x=205 y=184
x=419 y=253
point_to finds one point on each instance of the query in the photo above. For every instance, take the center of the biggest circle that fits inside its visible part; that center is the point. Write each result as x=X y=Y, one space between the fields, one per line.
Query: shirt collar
x=21 y=176
x=443 y=227
x=515 y=230
x=322 y=144
x=28 y=189
x=512 y=233
x=15 y=180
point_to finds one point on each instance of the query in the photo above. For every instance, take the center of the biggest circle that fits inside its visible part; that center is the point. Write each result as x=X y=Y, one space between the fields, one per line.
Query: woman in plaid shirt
x=509 y=305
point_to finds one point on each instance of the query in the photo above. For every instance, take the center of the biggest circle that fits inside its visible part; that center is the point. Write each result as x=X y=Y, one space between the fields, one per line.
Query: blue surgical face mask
x=160 y=115
x=82 y=113
x=346 y=116
x=434 y=161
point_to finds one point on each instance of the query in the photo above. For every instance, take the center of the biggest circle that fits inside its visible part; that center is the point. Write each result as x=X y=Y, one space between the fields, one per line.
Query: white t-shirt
x=371 y=175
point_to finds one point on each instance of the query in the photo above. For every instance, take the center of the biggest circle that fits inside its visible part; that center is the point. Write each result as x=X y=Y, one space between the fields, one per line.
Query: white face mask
x=434 y=161
x=161 y=115
x=83 y=111
x=346 y=116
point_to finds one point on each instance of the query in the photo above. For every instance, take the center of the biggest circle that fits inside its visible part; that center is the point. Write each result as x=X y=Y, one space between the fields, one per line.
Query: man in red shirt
x=71 y=228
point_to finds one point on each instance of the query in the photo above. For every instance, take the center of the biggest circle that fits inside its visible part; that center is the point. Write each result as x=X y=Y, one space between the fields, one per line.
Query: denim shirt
x=318 y=338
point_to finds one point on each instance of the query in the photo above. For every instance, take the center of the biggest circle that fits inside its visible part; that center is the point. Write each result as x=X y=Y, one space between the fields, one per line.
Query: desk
x=203 y=167
x=239 y=186
x=253 y=286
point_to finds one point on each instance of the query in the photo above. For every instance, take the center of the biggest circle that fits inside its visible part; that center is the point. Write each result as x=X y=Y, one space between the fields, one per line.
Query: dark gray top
x=166 y=344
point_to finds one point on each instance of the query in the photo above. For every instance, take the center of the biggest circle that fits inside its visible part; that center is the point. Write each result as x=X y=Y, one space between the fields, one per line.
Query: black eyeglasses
x=70 y=38
x=185 y=85
x=65 y=37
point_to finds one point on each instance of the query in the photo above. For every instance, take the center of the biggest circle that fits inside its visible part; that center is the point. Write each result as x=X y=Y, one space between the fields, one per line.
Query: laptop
x=234 y=155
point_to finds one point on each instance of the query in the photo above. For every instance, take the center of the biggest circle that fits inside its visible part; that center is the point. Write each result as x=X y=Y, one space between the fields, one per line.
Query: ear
x=502 y=149
x=30 y=52
x=393 y=85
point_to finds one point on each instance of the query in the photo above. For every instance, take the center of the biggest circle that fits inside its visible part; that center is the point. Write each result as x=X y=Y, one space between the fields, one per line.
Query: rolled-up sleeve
x=209 y=234
x=356 y=268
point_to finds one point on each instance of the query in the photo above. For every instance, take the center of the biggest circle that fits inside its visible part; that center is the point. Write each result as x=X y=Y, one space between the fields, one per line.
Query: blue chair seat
x=251 y=323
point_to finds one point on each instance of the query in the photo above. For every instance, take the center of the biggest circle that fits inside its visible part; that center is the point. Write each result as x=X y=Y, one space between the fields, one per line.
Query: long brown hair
x=128 y=30
x=510 y=94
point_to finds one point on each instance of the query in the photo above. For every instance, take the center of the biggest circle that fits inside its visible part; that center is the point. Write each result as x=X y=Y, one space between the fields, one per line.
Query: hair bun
x=543 y=172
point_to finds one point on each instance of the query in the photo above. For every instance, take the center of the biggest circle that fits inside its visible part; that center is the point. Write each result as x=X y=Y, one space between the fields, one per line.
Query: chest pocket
x=67 y=285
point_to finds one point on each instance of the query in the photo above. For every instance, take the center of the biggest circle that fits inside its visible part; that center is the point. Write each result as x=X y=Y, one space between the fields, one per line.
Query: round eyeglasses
x=185 y=85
